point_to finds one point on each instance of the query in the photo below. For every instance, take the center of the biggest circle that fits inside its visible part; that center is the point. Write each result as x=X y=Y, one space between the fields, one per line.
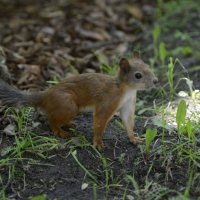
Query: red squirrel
x=102 y=93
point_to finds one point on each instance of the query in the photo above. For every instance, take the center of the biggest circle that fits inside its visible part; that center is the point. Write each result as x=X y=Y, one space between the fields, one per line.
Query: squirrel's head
x=137 y=74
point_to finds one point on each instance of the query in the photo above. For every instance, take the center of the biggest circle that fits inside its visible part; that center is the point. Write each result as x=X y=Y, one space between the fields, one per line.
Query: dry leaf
x=98 y=34
x=10 y=129
x=135 y=11
x=30 y=73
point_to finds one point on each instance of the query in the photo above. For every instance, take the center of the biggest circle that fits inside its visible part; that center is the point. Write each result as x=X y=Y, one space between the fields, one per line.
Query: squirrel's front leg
x=99 y=126
x=101 y=118
x=127 y=114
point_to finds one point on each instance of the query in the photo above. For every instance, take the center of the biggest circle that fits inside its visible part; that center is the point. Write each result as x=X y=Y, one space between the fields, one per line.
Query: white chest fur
x=128 y=98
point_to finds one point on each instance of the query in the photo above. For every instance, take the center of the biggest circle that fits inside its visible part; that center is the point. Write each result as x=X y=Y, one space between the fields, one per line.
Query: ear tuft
x=124 y=65
x=136 y=54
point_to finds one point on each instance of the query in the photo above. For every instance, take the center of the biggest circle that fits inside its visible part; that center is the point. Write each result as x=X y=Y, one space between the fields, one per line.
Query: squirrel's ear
x=136 y=54
x=124 y=65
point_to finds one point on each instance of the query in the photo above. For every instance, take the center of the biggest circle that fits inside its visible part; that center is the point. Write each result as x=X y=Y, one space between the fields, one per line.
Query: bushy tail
x=10 y=96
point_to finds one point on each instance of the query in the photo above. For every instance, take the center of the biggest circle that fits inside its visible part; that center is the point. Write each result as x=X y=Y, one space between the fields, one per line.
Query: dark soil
x=60 y=177
x=50 y=40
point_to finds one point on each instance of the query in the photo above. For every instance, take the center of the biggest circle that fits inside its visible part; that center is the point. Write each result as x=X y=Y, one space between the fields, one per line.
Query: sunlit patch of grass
x=193 y=114
x=181 y=145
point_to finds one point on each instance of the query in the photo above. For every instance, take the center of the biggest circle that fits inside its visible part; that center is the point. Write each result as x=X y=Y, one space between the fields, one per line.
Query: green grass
x=25 y=144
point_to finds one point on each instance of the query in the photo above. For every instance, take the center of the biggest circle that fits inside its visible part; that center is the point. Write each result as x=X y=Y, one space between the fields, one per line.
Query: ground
x=43 y=42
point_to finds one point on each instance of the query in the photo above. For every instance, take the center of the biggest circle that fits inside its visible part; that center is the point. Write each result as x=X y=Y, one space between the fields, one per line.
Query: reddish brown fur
x=103 y=93
x=65 y=100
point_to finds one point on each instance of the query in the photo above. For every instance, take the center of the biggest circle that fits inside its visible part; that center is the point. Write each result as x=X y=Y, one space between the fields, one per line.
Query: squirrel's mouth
x=152 y=84
x=149 y=87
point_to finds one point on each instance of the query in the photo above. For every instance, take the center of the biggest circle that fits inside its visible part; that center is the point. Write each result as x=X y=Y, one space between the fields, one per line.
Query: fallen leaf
x=10 y=129
x=4 y=151
x=30 y=73
x=98 y=34
x=135 y=11
x=130 y=197
x=84 y=186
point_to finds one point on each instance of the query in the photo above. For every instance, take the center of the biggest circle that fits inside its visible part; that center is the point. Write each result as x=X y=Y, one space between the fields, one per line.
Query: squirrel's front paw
x=71 y=125
x=99 y=145
x=137 y=140
x=61 y=133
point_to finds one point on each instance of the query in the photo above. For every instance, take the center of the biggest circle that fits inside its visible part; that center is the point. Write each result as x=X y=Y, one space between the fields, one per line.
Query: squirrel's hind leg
x=62 y=115
x=60 y=132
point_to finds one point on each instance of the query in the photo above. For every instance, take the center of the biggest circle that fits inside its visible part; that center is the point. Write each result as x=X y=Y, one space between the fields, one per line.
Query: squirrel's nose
x=155 y=81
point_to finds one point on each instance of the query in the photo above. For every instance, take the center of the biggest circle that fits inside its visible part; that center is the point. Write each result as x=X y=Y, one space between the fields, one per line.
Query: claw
x=64 y=134
x=71 y=125
x=99 y=145
x=137 y=140
x=61 y=133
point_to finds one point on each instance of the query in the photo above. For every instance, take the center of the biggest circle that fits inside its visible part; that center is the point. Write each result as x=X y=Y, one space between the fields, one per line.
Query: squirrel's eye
x=138 y=75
